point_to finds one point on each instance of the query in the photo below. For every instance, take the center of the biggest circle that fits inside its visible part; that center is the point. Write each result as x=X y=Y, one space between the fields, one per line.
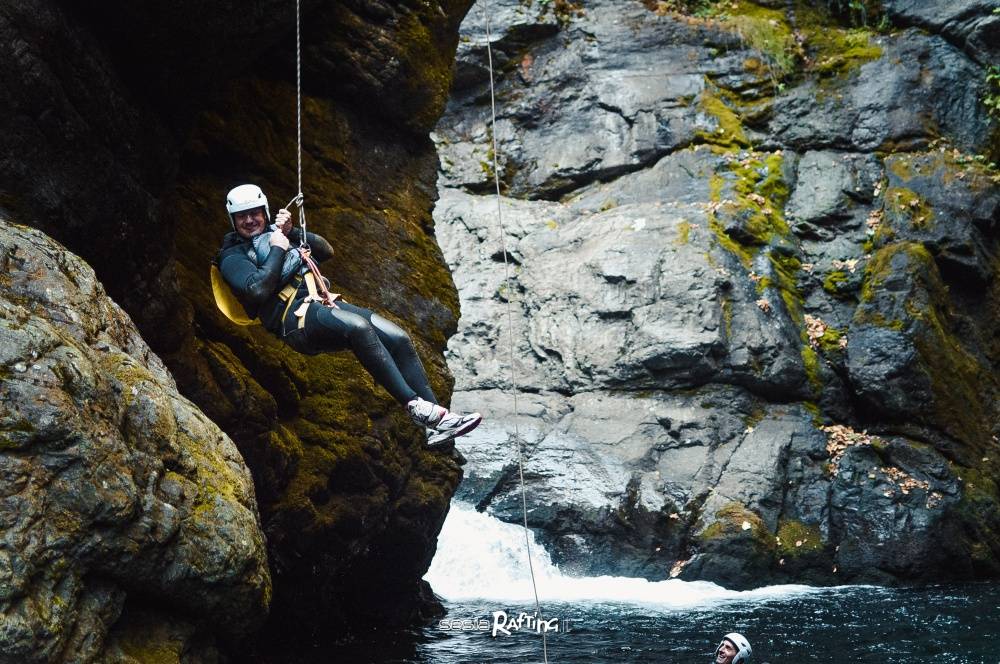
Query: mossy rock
x=903 y=291
x=795 y=539
x=335 y=459
x=735 y=521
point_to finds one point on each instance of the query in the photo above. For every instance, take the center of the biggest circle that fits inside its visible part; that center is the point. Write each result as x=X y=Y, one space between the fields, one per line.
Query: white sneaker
x=453 y=425
x=425 y=413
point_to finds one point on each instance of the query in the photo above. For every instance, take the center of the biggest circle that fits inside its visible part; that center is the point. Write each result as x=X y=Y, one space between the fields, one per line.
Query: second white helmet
x=246 y=197
x=743 y=649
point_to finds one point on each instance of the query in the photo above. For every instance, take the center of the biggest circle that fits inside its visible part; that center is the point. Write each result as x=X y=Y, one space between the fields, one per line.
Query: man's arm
x=252 y=284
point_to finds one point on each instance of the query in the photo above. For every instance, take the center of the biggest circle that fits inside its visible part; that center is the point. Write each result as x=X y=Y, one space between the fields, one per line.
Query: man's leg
x=329 y=329
x=400 y=346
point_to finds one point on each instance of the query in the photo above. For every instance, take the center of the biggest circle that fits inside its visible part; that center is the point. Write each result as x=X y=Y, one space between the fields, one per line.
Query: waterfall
x=481 y=557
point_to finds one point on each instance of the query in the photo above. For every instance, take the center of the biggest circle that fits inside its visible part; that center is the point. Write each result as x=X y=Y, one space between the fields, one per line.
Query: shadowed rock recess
x=755 y=285
x=131 y=528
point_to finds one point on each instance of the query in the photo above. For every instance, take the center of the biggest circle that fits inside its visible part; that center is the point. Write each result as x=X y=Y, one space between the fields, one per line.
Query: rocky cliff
x=124 y=126
x=755 y=286
x=122 y=503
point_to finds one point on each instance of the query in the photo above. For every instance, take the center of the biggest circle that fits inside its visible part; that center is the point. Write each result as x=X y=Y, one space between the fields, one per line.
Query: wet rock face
x=117 y=491
x=755 y=259
x=971 y=25
x=130 y=123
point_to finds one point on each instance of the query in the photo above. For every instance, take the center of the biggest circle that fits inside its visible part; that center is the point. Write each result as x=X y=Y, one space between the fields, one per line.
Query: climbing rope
x=510 y=322
x=299 y=199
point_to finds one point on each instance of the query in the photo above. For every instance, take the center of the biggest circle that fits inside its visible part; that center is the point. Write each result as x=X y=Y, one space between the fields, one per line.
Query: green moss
x=426 y=64
x=834 y=51
x=761 y=191
x=774 y=187
x=683 y=232
x=830 y=341
x=883 y=235
x=796 y=538
x=817 y=415
x=729 y=244
x=732 y=521
x=760 y=188
x=977 y=510
x=906 y=204
x=901 y=167
x=833 y=280
x=853 y=56
x=729 y=133
x=810 y=361
x=727 y=316
x=759 y=195
x=978 y=485
x=956 y=379
x=879 y=268
x=146 y=651
x=954 y=374
x=767 y=32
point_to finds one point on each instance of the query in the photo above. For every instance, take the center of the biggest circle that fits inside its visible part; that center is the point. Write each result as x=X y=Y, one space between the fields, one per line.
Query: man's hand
x=283 y=220
x=278 y=239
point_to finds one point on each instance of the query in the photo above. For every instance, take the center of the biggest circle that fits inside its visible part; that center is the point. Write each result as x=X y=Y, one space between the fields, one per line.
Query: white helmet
x=743 y=649
x=246 y=197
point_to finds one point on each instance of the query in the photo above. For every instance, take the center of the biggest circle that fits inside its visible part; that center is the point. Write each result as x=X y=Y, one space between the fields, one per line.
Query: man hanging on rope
x=266 y=276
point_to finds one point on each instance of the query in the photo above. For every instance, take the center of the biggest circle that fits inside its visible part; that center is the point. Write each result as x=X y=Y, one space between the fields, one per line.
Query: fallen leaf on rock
x=815 y=329
x=850 y=264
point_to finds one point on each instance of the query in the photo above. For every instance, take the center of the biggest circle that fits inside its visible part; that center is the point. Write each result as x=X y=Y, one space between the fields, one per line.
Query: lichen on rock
x=349 y=498
x=116 y=484
x=810 y=250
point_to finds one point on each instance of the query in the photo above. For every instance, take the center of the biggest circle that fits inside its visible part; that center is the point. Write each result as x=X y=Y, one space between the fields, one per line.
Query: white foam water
x=481 y=557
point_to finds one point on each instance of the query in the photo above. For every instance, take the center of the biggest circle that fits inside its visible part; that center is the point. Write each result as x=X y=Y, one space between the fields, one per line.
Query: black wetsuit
x=383 y=348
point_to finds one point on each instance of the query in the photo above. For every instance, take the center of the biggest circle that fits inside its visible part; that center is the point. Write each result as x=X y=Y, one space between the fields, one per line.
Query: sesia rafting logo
x=504 y=624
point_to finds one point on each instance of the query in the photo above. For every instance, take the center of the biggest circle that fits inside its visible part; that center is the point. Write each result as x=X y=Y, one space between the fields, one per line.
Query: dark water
x=946 y=624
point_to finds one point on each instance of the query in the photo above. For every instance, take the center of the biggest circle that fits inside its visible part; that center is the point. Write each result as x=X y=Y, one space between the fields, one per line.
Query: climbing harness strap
x=510 y=322
x=317 y=285
x=287 y=295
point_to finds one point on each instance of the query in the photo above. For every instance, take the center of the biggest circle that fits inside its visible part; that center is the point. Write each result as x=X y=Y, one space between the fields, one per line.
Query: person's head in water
x=734 y=649
x=248 y=210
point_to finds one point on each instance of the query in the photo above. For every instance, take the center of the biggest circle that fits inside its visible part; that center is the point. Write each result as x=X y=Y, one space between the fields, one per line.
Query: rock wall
x=125 y=126
x=119 y=495
x=755 y=254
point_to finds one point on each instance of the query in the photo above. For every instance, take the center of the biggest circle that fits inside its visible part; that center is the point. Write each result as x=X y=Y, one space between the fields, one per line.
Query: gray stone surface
x=737 y=364
x=631 y=110
x=886 y=103
x=972 y=25
x=113 y=483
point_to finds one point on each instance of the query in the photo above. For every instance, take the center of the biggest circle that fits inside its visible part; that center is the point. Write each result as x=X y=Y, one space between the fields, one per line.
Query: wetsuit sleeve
x=321 y=249
x=252 y=284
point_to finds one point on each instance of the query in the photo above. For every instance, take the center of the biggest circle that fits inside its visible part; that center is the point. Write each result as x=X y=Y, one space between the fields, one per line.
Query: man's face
x=250 y=222
x=726 y=653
